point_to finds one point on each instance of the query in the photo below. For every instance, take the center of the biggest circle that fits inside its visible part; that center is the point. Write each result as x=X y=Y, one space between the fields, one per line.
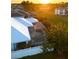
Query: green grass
x=52 y=19
x=63 y=20
x=58 y=19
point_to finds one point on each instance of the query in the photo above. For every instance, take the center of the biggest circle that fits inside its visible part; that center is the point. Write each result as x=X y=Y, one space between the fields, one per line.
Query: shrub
x=57 y=38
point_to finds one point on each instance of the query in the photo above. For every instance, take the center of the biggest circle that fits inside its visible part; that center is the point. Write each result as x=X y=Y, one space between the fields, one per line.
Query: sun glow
x=44 y=1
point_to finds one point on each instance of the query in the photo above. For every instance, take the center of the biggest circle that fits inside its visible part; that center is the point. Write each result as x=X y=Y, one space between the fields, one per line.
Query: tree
x=23 y=2
x=26 y=2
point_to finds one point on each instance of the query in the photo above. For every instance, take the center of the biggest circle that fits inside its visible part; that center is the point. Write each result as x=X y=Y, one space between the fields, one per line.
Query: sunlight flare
x=44 y=1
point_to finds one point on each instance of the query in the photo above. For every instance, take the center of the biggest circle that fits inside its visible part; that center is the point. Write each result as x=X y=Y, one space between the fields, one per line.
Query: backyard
x=56 y=30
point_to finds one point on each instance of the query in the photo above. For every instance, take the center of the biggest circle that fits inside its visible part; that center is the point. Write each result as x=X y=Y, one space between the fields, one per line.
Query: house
x=61 y=11
x=25 y=30
x=20 y=38
x=19 y=31
x=32 y=20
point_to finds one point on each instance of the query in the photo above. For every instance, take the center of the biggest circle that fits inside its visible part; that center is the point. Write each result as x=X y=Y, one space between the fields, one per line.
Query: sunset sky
x=39 y=1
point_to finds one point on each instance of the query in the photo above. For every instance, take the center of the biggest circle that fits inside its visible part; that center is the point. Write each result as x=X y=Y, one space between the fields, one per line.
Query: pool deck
x=26 y=52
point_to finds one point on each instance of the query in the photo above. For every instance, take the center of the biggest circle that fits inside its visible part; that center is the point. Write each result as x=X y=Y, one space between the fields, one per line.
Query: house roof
x=19 y=32
x=23 y=21
x=18 y=10
x=39 y=25
x=32 y=20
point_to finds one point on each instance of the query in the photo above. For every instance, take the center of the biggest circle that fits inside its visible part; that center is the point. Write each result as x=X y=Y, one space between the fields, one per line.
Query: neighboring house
x=61 y=11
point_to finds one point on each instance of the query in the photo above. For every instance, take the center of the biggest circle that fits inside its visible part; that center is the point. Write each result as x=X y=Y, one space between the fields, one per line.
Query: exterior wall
x=37 y=36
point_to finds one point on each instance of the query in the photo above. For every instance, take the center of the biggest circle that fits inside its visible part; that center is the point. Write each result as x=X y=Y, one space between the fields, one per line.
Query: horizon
x=39 y=2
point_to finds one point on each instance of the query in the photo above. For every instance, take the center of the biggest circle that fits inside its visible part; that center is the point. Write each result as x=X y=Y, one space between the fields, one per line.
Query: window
x=13 y=47
x=21 y=45
x=18 y=46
